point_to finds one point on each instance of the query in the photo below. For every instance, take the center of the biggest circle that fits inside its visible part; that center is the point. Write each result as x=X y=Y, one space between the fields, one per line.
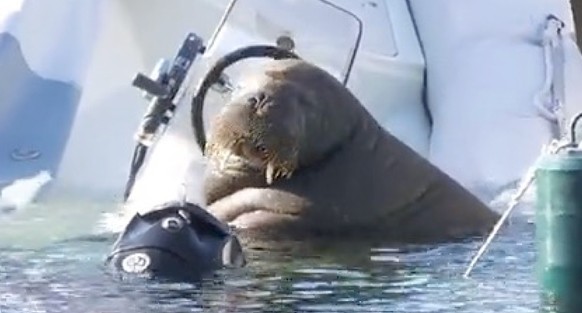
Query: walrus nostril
x=258 y=100
x=253 y=101
x=261 y=96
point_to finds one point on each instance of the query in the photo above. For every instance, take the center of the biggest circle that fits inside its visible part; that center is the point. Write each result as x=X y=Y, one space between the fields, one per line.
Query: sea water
x=52 y=260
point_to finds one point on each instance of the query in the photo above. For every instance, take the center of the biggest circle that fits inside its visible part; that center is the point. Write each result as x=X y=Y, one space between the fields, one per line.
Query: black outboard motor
x=178 y=241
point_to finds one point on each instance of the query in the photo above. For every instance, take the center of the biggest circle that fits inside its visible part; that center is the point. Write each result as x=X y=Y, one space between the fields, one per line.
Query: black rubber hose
x=573 y=126
x=139 y=154
x=213 y=76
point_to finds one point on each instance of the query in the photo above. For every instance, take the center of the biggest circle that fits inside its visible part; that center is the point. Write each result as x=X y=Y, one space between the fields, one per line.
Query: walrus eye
x=261 y=148
x=262 y=151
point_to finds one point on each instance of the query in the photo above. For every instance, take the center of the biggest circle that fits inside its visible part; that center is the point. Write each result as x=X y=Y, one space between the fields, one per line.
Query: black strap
x=213 y=75
x=139 y=154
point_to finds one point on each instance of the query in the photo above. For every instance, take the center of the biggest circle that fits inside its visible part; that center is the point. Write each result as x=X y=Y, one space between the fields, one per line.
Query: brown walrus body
x=296 y=155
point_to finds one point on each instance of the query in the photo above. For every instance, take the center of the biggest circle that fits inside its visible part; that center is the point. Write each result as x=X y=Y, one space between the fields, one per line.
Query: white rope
x=183 y=194
x=550 y=99
x=548 y=102
x=524 y=185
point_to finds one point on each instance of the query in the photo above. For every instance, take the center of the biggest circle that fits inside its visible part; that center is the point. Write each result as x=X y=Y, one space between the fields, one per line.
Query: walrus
x=294 y=154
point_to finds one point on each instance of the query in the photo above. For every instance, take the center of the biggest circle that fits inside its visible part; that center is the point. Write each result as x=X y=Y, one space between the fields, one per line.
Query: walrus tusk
x=270 y=172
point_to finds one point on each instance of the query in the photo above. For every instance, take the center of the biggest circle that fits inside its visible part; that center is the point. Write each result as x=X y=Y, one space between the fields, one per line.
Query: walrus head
x=285 y=118
x=254 y=134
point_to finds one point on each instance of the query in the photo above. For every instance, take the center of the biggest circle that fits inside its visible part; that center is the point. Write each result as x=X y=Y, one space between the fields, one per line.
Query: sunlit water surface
x=49 y=264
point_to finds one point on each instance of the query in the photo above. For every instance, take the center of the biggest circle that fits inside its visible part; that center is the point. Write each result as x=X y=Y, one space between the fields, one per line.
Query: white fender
x=56 y=36
x=485 y=66
x=45 y=51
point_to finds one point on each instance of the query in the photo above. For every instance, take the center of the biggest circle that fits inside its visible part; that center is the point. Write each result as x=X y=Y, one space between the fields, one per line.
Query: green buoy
x=559 y=227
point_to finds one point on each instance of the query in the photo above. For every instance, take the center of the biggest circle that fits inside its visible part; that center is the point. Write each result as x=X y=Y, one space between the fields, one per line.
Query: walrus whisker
x=288 y=174
x=225 y=159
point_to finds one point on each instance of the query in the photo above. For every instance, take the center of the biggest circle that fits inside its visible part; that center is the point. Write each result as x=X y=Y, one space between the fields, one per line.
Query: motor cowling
x=177 y=241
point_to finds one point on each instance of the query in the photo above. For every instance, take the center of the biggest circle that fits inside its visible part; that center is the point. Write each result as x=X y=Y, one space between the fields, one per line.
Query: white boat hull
x=476 y=120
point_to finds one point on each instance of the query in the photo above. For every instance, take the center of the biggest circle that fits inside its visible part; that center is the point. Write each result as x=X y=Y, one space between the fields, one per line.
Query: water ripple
x=69 y=277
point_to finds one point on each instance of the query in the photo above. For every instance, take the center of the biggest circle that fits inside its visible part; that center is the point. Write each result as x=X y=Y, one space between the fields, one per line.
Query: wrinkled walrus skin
x=296 y=156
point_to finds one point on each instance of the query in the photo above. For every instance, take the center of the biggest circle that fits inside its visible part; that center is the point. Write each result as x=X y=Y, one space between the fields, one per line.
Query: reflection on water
x=68 y=276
